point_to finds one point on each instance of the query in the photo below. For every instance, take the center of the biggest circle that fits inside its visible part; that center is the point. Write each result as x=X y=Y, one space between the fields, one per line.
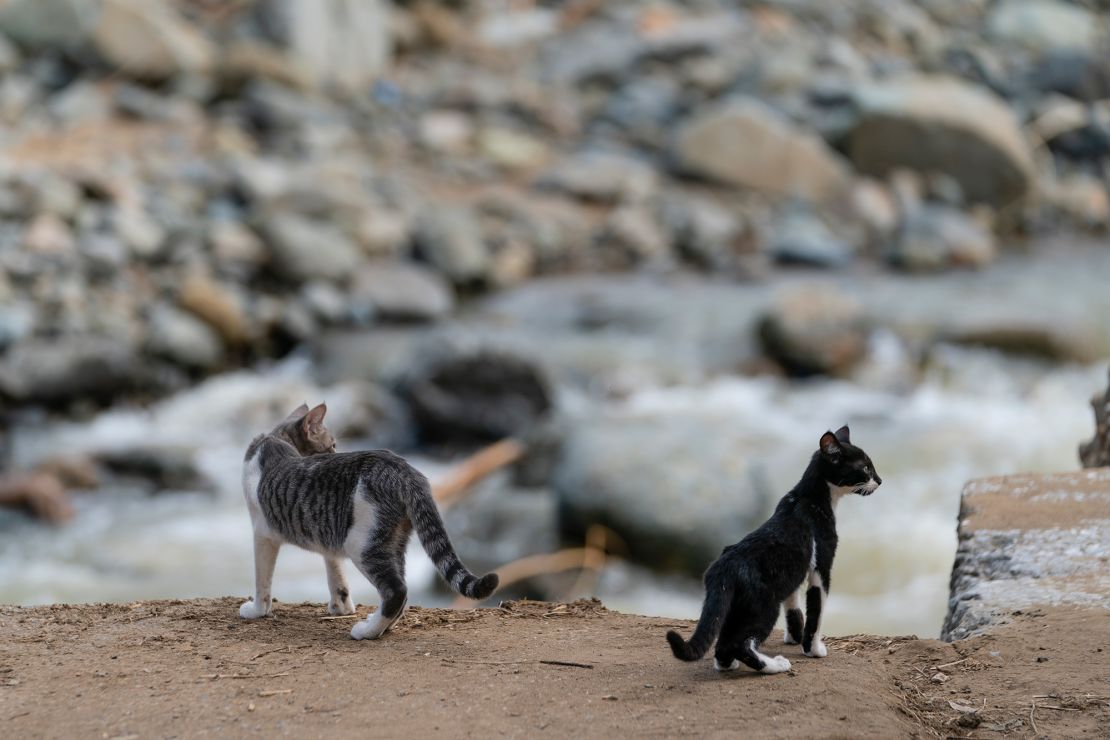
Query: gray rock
x=104 y=254
x=328 y=303
x=57 y=371
x=304 y=249
x=49 y=23
x=402 y=291
x=631 y=236
x=149 y=40
x=144 y=236
x=161 y=468
x=604 y=177
x=799 y=236
x=937 y=124
x=450 y=239
x=935 y=237
x=1044 y=24
x=342 y=43
x=80 y=102
x=744 y=142
x=17 y=321
x=702 y=231
x=676 y=489
x=9 y=55
x=474 y=396
x=815 y=330
x=183 y=339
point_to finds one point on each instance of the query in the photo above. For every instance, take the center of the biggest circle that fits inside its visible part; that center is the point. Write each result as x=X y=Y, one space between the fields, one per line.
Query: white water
x=973 y=414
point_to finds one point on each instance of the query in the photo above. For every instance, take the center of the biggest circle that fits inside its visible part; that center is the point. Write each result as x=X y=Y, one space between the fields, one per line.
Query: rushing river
x=974 y=413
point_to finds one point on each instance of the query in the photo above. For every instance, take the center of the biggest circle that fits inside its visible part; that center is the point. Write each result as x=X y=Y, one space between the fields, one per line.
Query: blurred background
x=659 y=246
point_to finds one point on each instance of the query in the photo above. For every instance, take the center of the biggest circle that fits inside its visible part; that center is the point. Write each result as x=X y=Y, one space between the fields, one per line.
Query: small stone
x=604 y=177
x=234 y=245
x=798 y=236
x=303 y=249
x=49 y=235
x=382 y=232
x=183 y=339
x=939 y=677
x=512 y=150
x=446 y=131
x=9 y=55
x=633 y=234
x=703 y=231
x=142 y=234
x=326 y=301
x=217 y=306
x=149 y=40
x=1043 y=24
x=935 y=237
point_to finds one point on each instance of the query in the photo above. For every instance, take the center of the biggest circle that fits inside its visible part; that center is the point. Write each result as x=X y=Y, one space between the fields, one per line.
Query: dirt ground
x=194 y=669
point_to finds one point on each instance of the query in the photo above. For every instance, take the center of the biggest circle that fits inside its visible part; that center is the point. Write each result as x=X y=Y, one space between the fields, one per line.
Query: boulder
x=746 y=143
x=183 y=339
x=49 y=23
x=1096 y=452
x=303 y=249
x=676 y=489
x=941 y=125
x=935 y=237
x=344 y=44
x=57 y=371
x=149 y=40
x=474 y=396
x=1041 y=25
x=814 y=330
x=402 y=291
x=450 y=239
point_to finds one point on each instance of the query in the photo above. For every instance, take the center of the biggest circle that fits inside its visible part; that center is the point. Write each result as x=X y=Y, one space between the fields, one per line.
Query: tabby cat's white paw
x=341 y=608
x=777 y=664
x=371 y=628
x=817 y=650
x=730 y=667
x=250 y=610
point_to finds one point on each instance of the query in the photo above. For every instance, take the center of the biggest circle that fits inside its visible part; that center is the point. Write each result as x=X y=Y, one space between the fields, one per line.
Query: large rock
x=676 y=489
x=303 y=249
x=402 y=291
x=147 y=39
x=1096 y=452
x=451 y=240
x=55 y=372
x=746 y=143
x=49 y=23
x=342 y=43
x=1029 y=541
x=1044 y=24
x=475 y=396
x=815 y=330
x=942 y=125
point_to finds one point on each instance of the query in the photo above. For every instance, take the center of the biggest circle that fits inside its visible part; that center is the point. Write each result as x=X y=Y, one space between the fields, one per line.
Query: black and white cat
x=357 y=505
x=744 y=587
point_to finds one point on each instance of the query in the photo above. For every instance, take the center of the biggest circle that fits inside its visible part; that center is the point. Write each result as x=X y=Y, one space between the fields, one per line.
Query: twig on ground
x=268 y=652
x=1033 y=722
x=339 y=616
x=275 y=692
x=570 y=663
x=955 y=662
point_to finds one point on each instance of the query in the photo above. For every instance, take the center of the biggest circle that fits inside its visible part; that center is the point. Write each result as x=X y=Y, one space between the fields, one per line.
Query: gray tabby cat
x=360 y=505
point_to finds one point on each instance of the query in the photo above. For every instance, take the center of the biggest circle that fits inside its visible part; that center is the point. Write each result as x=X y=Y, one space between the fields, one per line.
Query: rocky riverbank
x=187 y=187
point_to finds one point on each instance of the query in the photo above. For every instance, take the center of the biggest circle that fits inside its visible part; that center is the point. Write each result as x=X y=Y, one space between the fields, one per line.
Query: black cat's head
x=305 y=430
x=846 y=467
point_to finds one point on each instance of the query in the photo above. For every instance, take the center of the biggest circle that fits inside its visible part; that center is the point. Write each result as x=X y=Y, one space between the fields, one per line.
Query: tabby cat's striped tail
x=429 y=528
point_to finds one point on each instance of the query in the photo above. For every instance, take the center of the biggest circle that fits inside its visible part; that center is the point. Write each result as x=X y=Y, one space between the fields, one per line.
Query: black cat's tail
x=429 y=528
x=713 y=612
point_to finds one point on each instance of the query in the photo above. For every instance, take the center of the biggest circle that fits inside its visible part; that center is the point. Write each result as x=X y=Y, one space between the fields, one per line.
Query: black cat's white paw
x=817 y=650
x=787 y=639
x=251 y=610
x=777 y=664
x=730 y=667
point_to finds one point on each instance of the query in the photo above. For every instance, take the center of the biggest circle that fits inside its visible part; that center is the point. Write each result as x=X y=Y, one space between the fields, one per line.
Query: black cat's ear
x=314 y=420
x=830 y=446
x=842 y=435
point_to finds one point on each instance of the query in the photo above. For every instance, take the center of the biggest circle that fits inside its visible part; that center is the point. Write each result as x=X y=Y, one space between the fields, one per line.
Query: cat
x=744 y=587
x=359 y=505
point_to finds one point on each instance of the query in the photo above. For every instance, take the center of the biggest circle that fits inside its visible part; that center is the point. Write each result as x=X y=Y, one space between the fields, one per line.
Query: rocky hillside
x=188 y=186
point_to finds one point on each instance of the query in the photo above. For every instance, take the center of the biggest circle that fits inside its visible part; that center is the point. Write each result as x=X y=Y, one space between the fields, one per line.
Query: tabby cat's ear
x=830 y=446
x=842 y=435
x=314 y=420
x=298 y=412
